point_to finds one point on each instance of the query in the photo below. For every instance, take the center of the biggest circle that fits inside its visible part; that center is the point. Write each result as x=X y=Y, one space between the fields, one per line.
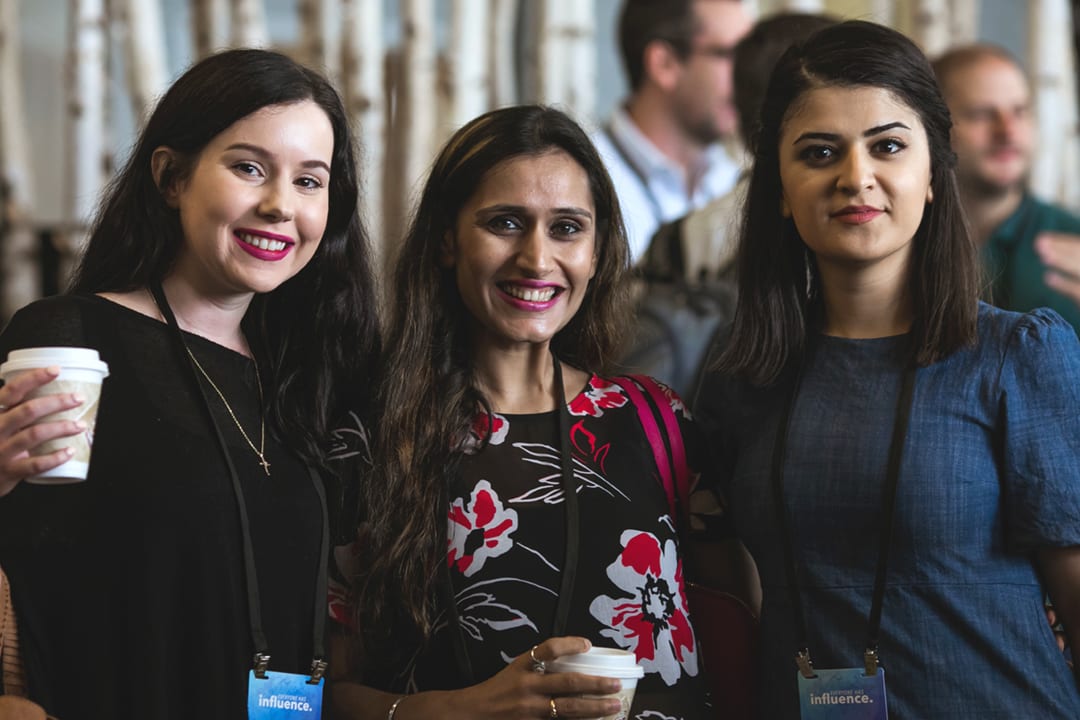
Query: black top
x=506 y=546
x=129 y=588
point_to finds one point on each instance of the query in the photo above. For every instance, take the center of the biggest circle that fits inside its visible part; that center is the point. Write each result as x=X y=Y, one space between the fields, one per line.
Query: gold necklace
x=262 y=418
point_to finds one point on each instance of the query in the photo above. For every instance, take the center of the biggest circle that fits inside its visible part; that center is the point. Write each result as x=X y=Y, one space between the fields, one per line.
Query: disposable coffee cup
x=81 y=371
x=609 y=663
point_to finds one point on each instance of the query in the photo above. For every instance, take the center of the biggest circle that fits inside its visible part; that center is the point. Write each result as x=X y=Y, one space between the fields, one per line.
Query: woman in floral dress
x=508 y=294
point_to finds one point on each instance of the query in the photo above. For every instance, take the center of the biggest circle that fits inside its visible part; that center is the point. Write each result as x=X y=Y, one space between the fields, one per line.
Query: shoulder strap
x=670 y=456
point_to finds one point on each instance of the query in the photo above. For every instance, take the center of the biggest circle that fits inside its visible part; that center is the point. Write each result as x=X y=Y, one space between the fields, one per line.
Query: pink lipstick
x=529 y=295
x=262 y=244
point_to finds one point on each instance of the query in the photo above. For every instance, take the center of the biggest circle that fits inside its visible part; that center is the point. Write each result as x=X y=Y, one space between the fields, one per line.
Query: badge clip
x=318 y=669
x=870 y=660
x=806 y=667
x=262 y=662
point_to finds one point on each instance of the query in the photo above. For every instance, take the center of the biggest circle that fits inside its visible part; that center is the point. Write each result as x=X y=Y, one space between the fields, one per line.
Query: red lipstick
x=856 y=214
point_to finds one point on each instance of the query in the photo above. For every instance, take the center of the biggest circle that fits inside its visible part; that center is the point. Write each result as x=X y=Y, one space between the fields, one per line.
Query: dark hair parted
x=316 y=335
x=756 y=56
x=642 y=22
x=428 y=398
x=779 y=285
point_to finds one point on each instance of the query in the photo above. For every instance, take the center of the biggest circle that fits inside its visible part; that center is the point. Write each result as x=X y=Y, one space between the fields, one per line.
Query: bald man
x=1031 y=248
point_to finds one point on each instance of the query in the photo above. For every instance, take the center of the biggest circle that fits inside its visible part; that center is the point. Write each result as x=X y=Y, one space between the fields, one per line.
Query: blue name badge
x=843 y=694
x=284 y=696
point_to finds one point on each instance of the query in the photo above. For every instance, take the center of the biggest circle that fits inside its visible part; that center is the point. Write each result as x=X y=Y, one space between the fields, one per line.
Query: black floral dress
x=506 y=545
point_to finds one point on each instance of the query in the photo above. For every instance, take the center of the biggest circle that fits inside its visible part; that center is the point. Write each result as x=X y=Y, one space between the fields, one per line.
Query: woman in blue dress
x=901 y=459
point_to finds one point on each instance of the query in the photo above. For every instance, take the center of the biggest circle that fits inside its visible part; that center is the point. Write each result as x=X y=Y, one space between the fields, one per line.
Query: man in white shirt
x=662 y=145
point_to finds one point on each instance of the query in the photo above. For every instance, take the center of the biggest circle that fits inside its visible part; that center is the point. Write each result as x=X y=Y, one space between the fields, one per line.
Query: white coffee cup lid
x=605 y=662
x=76 y=358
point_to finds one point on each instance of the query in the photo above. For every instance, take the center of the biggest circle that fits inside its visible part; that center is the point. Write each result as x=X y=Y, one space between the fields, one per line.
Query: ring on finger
x=538 y=665
x=554 y=710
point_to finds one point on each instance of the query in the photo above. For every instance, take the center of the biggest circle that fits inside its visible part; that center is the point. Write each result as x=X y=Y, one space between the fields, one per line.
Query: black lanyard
x=896 y=452
x=573 y=532
x=261 y=661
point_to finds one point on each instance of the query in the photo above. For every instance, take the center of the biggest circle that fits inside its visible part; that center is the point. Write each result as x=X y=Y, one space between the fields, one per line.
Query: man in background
x=1031 y=248
x=662 y=145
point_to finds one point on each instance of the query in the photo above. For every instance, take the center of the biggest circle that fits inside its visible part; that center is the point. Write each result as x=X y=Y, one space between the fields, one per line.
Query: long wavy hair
x=316 y=335
x=779 y=287
x=428 y=398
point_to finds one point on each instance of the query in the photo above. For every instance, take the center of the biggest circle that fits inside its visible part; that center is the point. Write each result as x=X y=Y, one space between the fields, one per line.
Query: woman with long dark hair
x=504 y=458
x=226 y=283
x=900 y=459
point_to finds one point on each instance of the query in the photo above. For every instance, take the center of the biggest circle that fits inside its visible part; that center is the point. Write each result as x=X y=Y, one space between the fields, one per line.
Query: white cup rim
x=72 y=358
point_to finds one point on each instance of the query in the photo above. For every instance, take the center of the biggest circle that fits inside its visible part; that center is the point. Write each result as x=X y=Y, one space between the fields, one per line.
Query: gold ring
x=554 y=711
x=538 y=665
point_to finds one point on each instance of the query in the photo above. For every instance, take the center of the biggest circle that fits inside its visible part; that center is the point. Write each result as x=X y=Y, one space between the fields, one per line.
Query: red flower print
x=599 y=395
x=498 y=426
x=652 y=622
x=479 y=531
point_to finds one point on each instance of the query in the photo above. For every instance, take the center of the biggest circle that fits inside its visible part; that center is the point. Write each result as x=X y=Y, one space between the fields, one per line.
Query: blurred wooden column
x=20 y=274
x=502 y=58
x=803 y=6
x=1052 y=64
x=209 y=26
x=883 y=12
x=144 y=35
x=364 y=88
x=320 y=48
x=248 y=24
x=565 y=63
x=930 y=24
x=412 y=137
x=87 y=92
x=468 y=64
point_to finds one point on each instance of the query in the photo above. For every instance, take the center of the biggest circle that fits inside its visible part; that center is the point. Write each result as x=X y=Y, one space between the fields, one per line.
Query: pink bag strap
x=673 y=470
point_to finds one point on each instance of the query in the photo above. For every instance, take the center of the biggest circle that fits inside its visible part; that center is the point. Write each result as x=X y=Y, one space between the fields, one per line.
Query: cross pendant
x=265 y=466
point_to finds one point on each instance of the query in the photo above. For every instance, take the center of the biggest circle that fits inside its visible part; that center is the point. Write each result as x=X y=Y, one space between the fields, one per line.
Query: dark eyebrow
x=264 y=153
x=833 y=137
x=580 y=212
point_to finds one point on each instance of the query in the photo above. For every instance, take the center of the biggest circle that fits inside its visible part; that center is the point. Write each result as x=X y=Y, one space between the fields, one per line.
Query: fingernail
x=53 y=369
x=614 y=706
x=613 y=686
x=80 y=425
x=77 y=398
x=68 y=451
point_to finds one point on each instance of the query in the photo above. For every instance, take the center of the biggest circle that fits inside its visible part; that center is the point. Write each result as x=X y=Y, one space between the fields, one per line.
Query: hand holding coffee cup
x=48 y=406
x=605 y=662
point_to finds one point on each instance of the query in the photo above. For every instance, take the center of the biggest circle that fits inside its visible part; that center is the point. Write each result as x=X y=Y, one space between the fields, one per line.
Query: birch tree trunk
x=208 y=26
x=87 y=97
x=248 y=19
x=320 y=49
x=502 y=56
x=803 y=6
x=415 y=117
x=468 y=63
x=566 y=56
x=930 y=25
x=883 y=12
x=964 y=22
x=145 y=42
x=365 y=93
x=20 y=275
x=1052 y=64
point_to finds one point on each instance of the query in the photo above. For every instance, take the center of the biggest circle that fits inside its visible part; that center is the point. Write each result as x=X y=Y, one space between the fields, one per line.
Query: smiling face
x=255 y=205
x=524 y=249
x=855 y=172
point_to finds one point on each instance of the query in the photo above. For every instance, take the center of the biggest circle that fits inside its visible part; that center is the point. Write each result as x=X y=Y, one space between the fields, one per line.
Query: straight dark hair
x=779 y=286
x=428 y=398
x=316 y=335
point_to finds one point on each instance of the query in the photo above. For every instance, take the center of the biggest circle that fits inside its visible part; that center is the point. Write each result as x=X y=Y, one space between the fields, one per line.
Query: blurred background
x=78 y=76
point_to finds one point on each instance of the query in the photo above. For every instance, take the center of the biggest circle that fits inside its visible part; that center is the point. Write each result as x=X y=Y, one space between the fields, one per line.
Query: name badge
x=843 y=694
x=284 y=696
